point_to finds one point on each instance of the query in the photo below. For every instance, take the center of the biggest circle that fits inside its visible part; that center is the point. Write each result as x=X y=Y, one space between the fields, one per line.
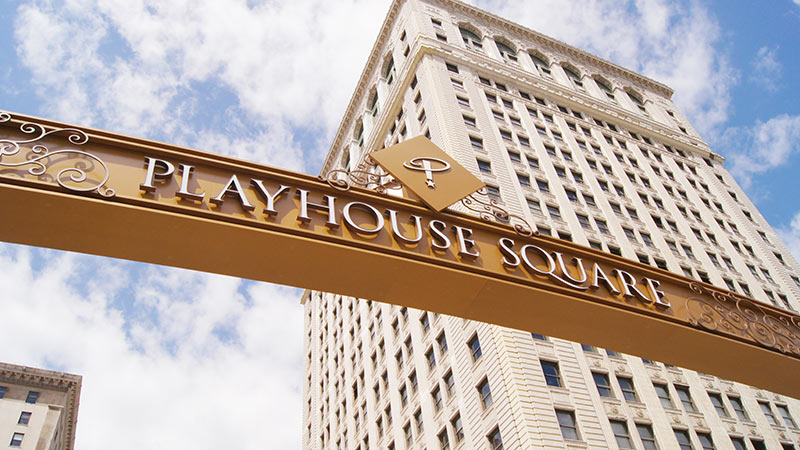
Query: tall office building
x=38 y=408
x=587 y=151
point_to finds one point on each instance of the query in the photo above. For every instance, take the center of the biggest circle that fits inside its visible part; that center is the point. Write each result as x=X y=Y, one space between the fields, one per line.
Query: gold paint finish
x=705 y=328
x=439 y=187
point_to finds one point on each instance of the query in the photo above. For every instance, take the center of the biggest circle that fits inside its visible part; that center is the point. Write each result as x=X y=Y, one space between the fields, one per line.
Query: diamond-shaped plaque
x=427 y=171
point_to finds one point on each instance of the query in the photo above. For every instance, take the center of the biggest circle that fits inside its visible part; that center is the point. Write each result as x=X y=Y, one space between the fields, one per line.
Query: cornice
x=58 y=381
x=375 y=56
x=560 y=46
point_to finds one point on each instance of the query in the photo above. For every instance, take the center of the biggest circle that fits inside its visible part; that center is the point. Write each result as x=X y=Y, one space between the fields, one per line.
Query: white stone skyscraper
x=585 y=150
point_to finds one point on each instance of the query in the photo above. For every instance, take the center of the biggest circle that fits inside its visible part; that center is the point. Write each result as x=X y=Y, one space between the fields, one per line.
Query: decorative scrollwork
x=730 y=313
x=343 y=180
x=71 y=178
x=489 y=209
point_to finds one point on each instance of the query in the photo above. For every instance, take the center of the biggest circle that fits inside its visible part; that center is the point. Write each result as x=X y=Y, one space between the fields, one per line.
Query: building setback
x=38 y=408
x=586 y=151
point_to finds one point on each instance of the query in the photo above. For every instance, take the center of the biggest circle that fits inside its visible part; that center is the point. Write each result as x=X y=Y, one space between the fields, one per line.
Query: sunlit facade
x=587 y=151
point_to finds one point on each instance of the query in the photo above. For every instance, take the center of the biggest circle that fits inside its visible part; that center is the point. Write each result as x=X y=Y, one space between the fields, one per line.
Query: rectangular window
x=705 y=441
x=3 y=390
x=469 y=121
x=738 y=408
x=458 y=428
x=484 y=166
x=566 y=421
x=32 y=397
x=485 y=393
x=449 y=383
x=493 y=192
x=686 y=398
x=476 y=142
x=475 y=347
x=534 y=206
x=628 y=390
x=495 y=440
x=555 y=212
x=515 y=156
x=431 y=359
x=716 y=400
x=603 y=384
x=662 y=390
x=442 y=341
x=647 y=436
x=463 y=101
x=543 y=186
x=24 y=418
x=787 y=417
x=684 y=442
x=551 y=373
x=620 y=430
x=16 y=439
x=436 y=395
x=768 y=413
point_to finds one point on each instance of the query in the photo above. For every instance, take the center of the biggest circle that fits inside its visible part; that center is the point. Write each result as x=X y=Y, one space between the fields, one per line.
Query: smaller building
x=38 y=408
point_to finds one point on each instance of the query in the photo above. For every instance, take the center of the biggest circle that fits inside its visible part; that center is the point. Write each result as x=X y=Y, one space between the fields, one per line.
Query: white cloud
x=170 y=358
x=765 y=146
x=672 y=42
x=141 y=63
x=767 y=69
x=790 y=235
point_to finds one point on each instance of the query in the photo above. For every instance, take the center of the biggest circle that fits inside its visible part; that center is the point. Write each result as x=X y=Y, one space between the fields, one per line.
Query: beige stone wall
x=663 y=174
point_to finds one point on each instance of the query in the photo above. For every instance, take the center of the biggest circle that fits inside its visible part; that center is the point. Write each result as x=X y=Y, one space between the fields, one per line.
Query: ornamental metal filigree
x=73 y=178
x=728 y=312
x=489 y=209
x=343 y=179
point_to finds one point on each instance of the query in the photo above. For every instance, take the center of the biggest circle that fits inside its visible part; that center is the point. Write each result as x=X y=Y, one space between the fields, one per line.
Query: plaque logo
x=423 y=164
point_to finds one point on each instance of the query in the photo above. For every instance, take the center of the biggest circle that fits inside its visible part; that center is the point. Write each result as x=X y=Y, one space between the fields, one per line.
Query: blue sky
x=220 y=359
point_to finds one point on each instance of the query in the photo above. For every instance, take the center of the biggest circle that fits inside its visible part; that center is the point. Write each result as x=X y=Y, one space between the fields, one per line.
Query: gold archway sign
x=101 y=193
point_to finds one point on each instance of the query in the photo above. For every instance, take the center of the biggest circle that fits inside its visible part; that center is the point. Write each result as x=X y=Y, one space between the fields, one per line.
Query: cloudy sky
x=178 y=359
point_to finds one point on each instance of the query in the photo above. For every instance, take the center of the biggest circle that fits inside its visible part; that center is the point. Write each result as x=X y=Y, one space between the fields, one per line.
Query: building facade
x=586 y=151
x=38 y=408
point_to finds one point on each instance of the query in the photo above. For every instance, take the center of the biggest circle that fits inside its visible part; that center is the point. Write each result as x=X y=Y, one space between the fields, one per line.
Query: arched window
x=388 y=71
x=542 y=66
x=574 y=78
x=605 y=86
x=359 y=134
x=471 y=40
x=372 y=103
x=506 y=52
x=637 y=100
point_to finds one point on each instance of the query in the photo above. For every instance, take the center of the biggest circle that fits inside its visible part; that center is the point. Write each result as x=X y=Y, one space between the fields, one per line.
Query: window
x=628 y=390
x=686 y=398
x=588 y=348
x=484 y=166
x=620 y=430
x=584 y=221
x=458 y=428
x=738 y=408
x=444 y=441
x=24 y=418
x=469 y=121
x=471 y=40
x=449 y=382
x=388 y=73
x=485 y=393
x=431 y=358
x=412 y=378
x=787 y=417
x=16 y=439
x=647 y=436
x=541 y=66
x=551 y=373
x=495 y=440
x=543 y=186
x=493 y=192
x=758 y=444
x=452 y=68
x=663 y=395
x=575 y=78
x=508 y=54
x=606 y=90
x=566 y=421
x=684 y=441
x=555 y=212
x=407 y=433
x=603 y=385
x=601 y=225
x=705 y=441
x=3 y=390
x=515 y=156
x=738 y=443
x=768 y=413
x=436 y=395
x=32 y=397
x=716 y=400
x=533 y=206
x=463 y=101
x=475 y=347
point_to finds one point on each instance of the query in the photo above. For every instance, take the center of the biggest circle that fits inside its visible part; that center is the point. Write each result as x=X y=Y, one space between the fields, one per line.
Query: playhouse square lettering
x=537 y=261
